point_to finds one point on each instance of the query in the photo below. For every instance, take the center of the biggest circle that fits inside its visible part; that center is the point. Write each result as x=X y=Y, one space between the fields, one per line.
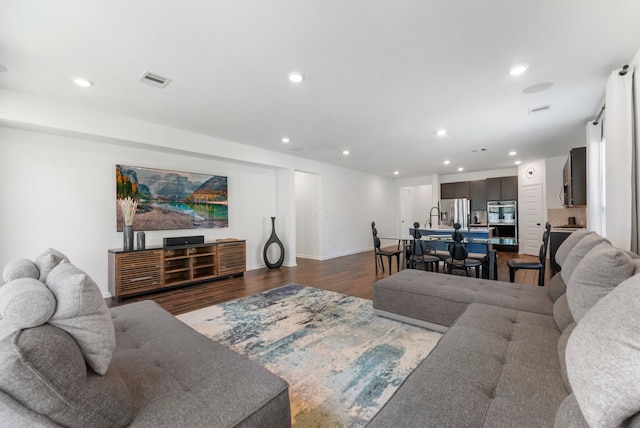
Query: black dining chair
x=379 y=253
x=419 y=254
x=539 y=265
x=459 y=255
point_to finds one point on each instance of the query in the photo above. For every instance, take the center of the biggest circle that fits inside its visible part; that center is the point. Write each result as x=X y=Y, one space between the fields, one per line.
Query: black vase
x=273 y=240
x=127 y=238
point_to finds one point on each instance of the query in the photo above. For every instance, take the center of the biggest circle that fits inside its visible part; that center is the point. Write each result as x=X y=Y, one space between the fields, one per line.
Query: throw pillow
x=599 y=272
x=26 y=303
x=562 y=313
x=49 y=259
x=569 y=414
x=586 y=244
x=562 y=352
x=556 y=287
x=83 y=313
x=43 y=369
x=20 y=268
x=603 y=357
x=565 y=248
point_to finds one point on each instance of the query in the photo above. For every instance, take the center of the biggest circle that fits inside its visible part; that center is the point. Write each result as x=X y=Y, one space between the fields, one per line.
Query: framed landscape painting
x=172 y=199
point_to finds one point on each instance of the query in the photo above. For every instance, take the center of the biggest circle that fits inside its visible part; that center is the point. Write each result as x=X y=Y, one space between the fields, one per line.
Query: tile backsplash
x=560 y=216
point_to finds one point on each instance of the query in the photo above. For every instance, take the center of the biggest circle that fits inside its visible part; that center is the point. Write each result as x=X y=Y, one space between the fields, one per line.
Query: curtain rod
x=595 y=122
x=622 y=72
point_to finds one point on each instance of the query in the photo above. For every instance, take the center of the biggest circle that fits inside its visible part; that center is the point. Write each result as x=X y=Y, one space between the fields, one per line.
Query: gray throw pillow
x=49 y=259
x=26 y=303
x=565 y=248
x=562 y=352
x=586 y=244
x=562 y=313
x=569 y=414
x=20 y=268
x=556 y=287
x=599 y=272
x=603 y=357
x=83 y=313
x=43 y=369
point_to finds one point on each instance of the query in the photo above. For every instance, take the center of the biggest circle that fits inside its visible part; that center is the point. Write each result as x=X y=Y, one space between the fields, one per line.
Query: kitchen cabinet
x=502 y=189
x=575 y=178
x=456 y=190
x=478 y=195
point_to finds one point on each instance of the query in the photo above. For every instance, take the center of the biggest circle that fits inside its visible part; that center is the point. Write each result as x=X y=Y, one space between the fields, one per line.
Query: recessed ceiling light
x=447 y=162
x=518 y=69
x=296 y=77
x=396 y=172
x=441 y=132
x=513 y=153
x=286 y=140
x=345 y=152
x=461 y=169
x=83 y=82
x=518 y=162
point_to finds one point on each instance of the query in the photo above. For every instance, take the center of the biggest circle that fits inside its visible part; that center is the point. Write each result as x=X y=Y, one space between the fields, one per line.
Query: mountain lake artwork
x=172 y=199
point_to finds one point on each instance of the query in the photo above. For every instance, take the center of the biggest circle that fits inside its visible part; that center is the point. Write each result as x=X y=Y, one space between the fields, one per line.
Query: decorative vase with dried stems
x=128 y=207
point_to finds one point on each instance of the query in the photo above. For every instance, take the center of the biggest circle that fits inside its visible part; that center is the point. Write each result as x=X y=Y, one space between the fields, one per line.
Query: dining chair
x=459 y=259
x=419 y=254
x=379 y=253
x=539 y=265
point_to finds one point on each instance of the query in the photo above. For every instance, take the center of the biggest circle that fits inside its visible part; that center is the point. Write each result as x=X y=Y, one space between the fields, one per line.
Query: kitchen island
x=476 y=233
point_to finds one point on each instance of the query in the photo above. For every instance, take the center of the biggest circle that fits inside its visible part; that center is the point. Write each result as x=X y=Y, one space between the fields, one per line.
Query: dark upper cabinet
x=454 y=190
x=494 y=189
x=462 y=189
x=575 y=177
x=447 y=190
x=509 y=188
x=502 y=189
x=478 y=195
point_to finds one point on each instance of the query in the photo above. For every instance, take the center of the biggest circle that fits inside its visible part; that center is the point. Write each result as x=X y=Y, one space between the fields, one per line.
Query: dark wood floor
x=353 y=275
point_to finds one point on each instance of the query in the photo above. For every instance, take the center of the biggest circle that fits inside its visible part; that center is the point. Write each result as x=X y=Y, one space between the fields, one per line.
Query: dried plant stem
x=128 y=207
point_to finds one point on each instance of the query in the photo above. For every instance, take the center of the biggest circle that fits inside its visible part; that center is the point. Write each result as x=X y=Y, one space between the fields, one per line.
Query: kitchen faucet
x=431 y=215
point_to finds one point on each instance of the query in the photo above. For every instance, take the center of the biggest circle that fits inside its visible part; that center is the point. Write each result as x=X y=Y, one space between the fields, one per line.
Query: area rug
x=341 y=361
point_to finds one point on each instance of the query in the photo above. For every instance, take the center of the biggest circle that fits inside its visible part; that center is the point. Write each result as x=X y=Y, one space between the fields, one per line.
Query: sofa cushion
x=556 y=287
x=483 y=370
x=43 y=369
x=569 y=414
x=83 y=313
x=180 y=378
x=49 y=259
x=26 y=303
x=577 y=253
x=15 y=415
x=561 y=313
x=565 y=248
x=20 y=268
x=562 y=352
x=603 y=357
x=600 y=270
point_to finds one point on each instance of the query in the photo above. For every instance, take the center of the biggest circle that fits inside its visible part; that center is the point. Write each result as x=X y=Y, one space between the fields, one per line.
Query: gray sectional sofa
x=67 y=360
x=566 y=355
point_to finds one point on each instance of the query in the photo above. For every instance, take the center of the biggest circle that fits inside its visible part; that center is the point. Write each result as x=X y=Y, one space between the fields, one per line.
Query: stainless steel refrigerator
x=455 y=211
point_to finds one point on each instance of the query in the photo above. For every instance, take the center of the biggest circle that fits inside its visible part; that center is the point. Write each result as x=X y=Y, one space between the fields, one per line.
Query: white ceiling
x=381 y=76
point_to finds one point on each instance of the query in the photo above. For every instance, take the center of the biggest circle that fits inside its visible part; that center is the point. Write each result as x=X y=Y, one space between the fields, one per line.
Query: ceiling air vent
x=540 y=109
x=154 y=80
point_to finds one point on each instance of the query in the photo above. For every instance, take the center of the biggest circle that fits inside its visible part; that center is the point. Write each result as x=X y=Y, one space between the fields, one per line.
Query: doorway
x=308 y=227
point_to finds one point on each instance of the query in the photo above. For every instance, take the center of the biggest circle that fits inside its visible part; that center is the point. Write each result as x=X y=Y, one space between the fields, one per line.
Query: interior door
x=404 y=227
x=531 y=218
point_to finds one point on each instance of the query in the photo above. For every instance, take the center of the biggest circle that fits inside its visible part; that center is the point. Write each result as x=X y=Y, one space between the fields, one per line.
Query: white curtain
x=595 y=178
x=621 y=218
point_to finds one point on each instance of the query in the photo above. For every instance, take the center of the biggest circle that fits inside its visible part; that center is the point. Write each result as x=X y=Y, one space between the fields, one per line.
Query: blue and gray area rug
x=341 y=361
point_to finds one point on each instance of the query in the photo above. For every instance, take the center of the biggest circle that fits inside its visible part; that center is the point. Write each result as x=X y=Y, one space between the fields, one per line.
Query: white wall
x=57 y=178
x=554 y=181
x=308 y=231
x=419 y=203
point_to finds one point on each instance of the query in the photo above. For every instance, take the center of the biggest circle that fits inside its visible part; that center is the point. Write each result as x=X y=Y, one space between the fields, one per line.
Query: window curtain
x=595 y=175
x=621 y=159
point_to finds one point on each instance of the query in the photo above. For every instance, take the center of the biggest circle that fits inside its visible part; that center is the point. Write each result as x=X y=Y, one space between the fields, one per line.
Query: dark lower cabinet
x=555 y=240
